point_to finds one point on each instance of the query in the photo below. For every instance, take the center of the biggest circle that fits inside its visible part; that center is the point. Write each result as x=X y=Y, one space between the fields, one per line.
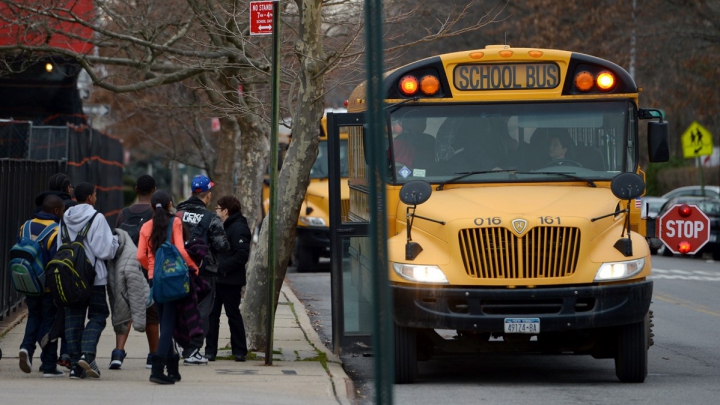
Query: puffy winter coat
x=128 y=290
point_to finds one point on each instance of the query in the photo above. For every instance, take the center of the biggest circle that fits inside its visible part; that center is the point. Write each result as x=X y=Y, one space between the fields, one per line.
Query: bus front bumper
x=316 y=238
x=485 y=309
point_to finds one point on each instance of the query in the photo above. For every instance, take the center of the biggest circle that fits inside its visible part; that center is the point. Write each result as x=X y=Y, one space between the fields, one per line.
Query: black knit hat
x=59 y=182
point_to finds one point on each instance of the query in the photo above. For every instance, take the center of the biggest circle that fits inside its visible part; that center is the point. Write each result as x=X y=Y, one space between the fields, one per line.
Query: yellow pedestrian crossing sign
x=696 y=141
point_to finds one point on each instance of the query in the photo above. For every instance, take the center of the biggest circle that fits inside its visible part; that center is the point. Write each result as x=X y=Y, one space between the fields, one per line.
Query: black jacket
x=40 y=198
x=231 y=267
x=193 y=210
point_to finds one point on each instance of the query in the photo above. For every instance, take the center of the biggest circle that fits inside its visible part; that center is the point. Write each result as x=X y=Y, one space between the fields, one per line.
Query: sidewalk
x=304 y=371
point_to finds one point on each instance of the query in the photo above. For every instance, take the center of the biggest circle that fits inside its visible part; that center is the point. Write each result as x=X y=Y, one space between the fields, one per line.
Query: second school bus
x=312 y=238
x=512 y=211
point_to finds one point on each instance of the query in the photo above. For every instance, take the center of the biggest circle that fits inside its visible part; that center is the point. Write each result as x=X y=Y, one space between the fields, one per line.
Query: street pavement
x=304 y=371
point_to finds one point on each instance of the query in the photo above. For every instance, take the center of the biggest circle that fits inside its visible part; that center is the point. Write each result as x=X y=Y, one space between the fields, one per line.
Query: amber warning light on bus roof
x=428 y=85
x=584 y=81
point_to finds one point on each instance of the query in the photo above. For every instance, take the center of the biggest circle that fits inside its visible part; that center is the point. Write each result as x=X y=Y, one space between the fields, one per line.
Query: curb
x=340 y=380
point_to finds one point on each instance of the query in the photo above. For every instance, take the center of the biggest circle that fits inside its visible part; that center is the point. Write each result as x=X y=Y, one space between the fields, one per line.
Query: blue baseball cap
x=201 y=183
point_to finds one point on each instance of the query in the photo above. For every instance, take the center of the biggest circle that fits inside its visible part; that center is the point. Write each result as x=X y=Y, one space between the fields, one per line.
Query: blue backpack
x=27 y=265
x=171 y=278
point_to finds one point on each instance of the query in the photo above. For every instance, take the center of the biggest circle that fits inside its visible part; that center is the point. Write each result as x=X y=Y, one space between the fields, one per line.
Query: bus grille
x=496 y=253
x=344 y=210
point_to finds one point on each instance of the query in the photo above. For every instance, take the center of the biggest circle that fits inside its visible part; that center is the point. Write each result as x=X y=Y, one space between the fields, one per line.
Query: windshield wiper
x=589 y=182
x=466 y=174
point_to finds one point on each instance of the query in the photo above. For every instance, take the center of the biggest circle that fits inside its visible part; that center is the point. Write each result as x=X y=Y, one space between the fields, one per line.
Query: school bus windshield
x=513 y=142
x=319 y=169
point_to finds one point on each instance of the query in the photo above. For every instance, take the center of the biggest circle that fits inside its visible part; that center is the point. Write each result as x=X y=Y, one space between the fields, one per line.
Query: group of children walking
x=123 y=268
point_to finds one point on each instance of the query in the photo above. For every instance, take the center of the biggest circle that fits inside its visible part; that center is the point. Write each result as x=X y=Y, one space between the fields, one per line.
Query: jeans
x=167 y=313
x=229 y=296
x=83 y=338
x=41 y=315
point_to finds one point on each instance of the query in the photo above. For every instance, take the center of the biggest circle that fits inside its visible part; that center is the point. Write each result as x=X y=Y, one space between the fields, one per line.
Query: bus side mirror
x=626 y=186
x=658 y=141
x=413 y=193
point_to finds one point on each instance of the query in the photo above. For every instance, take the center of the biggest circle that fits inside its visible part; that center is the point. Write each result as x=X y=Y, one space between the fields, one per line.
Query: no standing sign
x=261 y=17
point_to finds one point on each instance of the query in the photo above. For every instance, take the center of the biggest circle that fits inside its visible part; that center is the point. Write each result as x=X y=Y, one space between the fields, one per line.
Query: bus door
x=351 y=310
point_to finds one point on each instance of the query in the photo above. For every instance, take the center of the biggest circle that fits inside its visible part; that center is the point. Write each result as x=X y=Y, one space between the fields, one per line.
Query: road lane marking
x=676 y=274
x=686 y=304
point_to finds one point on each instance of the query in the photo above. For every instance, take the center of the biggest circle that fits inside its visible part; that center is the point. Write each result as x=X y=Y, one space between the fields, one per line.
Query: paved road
x=684 y=364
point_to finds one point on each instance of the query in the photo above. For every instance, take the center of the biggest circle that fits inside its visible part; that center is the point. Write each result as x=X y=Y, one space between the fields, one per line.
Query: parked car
x=651 y=206
x=708 y=205
x=710 y=191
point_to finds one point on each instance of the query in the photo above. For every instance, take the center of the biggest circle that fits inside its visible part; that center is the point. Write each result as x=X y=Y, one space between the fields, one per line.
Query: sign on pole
x=261 y=17
x=684 y=229
x=696 y=141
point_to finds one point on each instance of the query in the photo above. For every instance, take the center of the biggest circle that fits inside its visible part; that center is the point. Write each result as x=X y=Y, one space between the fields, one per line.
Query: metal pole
x=698 y=163
x=272 y=257
x=382 y=320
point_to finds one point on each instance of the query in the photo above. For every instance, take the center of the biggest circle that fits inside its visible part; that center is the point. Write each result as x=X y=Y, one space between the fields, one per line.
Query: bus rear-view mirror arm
x=625 y=186
x=414 y=193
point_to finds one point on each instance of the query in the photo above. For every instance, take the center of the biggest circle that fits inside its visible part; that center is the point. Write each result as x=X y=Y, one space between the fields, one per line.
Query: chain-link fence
x=48 y=143
x=14 y=139
x=23 y=140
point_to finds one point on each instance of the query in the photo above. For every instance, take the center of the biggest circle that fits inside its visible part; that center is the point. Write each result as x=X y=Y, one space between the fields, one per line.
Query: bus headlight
x=420 y=273
x=619 y=270
x=312 y=221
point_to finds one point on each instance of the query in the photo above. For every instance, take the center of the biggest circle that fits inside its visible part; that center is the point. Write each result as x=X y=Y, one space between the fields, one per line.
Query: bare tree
x=203 y=51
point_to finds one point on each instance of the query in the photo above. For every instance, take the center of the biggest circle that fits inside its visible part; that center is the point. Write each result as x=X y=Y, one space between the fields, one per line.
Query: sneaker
x=195 y=358
x=239 y=357
x=178 y=349
x=91 y=367
x=116 y=359
x=148 y=362
x=53 y=373
x=25 y=361
x=78 y=373
x=210 y=357
x=64 y=361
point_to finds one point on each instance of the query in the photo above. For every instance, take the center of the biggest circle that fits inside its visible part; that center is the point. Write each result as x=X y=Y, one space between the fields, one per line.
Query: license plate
x=522 y=325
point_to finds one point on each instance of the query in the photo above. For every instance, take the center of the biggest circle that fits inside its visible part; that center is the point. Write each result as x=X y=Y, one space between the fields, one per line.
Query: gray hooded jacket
x=129 y=292
x=100 y=243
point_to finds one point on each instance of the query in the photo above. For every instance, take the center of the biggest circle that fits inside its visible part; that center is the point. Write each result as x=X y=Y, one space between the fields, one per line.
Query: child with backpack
x=85 y=298
x=27 y=269
x=157 y=238
x=131 y=219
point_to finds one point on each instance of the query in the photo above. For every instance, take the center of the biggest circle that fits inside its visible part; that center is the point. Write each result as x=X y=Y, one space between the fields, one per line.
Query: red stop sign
x=684 y=228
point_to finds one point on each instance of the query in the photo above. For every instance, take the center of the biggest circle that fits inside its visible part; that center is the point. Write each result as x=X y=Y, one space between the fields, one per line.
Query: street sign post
x=684 y=229
x=261 y=17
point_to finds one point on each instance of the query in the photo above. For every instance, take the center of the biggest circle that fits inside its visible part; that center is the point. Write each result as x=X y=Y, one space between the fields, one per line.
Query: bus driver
x=413 y=147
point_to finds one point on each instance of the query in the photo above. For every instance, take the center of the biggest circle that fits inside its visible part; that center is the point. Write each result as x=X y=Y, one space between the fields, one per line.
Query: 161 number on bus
x=549 y=220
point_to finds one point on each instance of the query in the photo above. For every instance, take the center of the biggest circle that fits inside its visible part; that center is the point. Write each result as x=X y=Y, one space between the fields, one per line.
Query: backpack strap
x=64 y=235
x=83 y=232
x=45 y=232
x=26 y=229
x=169 y=232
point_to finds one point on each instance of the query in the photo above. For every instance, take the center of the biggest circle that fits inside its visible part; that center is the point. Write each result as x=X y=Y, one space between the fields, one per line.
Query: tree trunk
x=224 y=173
x=292 y=180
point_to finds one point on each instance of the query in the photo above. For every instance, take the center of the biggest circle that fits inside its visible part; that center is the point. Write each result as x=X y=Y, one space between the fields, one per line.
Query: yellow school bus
x=512 y=203
x=312 y=240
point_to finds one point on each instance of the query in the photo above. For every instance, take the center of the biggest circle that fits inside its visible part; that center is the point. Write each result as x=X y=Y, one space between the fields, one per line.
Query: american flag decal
x=638 y=203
